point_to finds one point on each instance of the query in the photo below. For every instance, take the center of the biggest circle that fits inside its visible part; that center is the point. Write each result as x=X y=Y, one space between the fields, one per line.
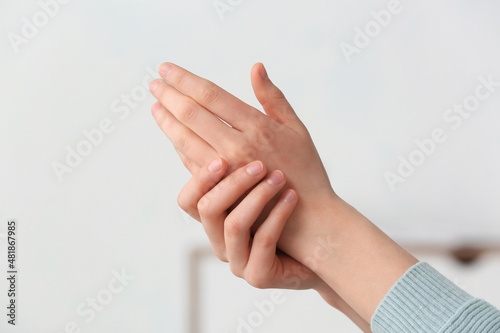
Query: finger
x=238 y=223
x=201 y=182
x=214 y=205
x=270 y=97
x=183 y=139
x=226 y=106
x=263 y=254
x=188 y=163
x=204 y=123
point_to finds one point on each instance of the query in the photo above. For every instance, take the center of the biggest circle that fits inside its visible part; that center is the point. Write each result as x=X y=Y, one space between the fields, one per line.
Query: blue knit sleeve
x=424 y=301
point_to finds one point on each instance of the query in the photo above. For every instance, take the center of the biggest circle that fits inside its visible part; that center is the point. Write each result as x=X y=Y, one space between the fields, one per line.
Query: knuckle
x=266 y=137
x=203 y=207
x=276 y=126
x=260 y=196
x=189 y=112
x=236 y=270
x=232 y=226
x=210 y=93
x=181 y=142
x=183 y=202
x=234 y=180
x=188 y=164
x=249 y=153
x=258 y=280
x=265 y=241
x=221 y=255
x=276 y=93
x=242 y=153
x=188 y=206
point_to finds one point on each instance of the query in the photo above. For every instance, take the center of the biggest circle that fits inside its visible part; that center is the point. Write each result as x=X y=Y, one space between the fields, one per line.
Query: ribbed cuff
x=424 y=301
x=477 y=316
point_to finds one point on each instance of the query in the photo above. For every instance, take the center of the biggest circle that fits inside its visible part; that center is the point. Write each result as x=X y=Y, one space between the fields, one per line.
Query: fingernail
x=275 y=178
x=215 y=165
x=263 y=73
x=290 y=196
x=153 y=85
x=255 y=168
x=164 y=69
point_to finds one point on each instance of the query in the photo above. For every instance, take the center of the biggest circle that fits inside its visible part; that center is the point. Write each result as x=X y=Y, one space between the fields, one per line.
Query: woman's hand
x=253 y=256
x=234 y=204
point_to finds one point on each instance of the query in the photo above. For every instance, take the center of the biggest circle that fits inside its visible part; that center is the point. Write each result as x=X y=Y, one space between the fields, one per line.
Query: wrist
x=334 y=300
x=316 y=227
x=354 y=257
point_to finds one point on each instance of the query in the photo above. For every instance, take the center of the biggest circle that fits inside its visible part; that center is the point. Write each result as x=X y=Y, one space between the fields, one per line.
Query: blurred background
x=402 y=99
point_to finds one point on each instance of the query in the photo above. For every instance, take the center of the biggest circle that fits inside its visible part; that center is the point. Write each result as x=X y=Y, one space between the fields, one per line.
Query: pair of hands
x=245 y=211
x=189 y=111
x=204 y=122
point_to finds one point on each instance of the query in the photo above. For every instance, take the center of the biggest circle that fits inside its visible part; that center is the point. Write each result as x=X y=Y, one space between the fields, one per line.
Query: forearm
x=333 y=299
x=353 y=256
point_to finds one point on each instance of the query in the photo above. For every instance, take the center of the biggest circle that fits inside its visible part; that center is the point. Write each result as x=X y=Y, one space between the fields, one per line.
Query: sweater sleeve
x=424 y=301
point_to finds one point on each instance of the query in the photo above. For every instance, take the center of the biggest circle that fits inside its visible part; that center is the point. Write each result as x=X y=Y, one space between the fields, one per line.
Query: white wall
x=117 y=208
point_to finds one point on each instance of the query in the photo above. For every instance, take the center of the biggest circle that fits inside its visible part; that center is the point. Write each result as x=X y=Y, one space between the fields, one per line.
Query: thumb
x=270 y=97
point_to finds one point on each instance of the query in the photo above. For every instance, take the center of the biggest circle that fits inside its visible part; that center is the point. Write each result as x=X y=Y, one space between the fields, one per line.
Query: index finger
x=201 y=182
x=206 y=93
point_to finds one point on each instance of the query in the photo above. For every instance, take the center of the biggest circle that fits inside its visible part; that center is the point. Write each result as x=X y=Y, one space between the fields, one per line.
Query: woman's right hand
x=234 y=203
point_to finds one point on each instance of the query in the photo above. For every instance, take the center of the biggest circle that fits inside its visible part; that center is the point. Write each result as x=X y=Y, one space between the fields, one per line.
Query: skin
x=324 y=233
x=254 y=256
